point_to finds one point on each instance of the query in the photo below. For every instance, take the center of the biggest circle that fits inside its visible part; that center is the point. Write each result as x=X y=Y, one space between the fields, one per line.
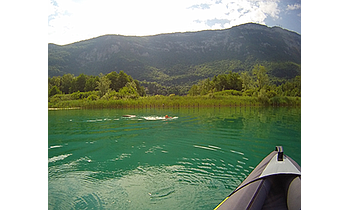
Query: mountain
x=182 y=58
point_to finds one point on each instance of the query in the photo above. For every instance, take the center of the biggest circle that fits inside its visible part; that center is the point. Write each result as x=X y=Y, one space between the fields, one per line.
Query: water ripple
x=101 y=160
x=203 y=147
x=60 y=157
x=90 y=201
x=55 y=146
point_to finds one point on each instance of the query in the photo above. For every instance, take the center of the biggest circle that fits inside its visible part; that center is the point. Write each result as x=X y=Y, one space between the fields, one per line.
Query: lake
x=98 y=159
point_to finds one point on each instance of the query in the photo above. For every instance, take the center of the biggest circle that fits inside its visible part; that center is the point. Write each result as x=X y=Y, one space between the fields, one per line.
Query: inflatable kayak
x=129 y=115
x=274 y=184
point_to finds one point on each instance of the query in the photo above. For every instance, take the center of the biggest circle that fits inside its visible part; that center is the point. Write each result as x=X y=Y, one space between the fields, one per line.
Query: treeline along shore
x=119 y=90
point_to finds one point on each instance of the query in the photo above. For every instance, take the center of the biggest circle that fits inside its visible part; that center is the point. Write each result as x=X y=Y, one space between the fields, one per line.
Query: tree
x=205 y=86
x=234 y=81
x=153 y=88
x=80 y=82
x=129 y=90
x=140 y=89
x=55 y=81
x=122 y=79
x=54 y=90
x=103 y=85
x=174 y=90
x=113 y=77
x=262 y=77
x=194 y=91
x=247 y=81
x=67 y=82
x=291 y=88
x=216 y=83
x=297 y=86
x=91 y=83
x=73 y=88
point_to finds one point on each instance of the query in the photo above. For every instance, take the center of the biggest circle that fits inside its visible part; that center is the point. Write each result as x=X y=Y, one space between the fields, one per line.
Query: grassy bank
x=159 y=101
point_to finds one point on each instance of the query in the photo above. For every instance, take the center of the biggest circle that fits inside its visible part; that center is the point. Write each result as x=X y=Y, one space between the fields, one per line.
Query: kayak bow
x=274 y=184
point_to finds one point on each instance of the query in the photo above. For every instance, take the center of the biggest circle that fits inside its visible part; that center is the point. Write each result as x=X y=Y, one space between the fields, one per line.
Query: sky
x=75 y=20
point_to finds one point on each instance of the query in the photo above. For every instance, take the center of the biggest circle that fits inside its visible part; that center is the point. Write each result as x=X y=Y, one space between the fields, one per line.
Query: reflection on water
x=102 y=160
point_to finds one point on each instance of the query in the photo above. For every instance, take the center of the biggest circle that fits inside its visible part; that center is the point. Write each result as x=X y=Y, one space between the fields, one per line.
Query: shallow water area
x=103 y=159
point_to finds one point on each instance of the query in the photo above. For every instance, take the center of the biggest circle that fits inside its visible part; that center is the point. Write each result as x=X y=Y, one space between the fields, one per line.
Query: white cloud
x=243 y=11
x=72 y=20
x=52 y=9
x=293 y=7
x=269 y=8
x=75 y=21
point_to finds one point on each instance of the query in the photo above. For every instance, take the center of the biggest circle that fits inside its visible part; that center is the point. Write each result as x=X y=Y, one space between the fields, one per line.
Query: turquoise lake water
x=98 y=159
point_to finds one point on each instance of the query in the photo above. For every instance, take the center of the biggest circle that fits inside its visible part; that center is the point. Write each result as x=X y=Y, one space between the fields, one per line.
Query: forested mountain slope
x=182 y=58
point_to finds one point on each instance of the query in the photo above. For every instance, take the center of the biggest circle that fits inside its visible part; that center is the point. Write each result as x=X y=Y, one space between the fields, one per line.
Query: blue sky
x=74 y=20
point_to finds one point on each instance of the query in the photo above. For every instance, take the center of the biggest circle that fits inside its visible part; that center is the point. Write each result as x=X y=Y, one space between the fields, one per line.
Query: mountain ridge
x=165 y=58
x=246 y=24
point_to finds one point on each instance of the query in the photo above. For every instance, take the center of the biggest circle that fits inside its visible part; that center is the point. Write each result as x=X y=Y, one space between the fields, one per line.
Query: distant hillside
x=182 y=58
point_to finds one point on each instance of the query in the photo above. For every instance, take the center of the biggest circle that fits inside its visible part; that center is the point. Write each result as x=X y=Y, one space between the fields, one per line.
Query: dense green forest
x=116 y=84
x=103 y=86
x=248 y=87
x=254 y=83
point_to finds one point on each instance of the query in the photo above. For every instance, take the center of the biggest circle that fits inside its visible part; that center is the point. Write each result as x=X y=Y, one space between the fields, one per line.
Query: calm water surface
x=99 y=159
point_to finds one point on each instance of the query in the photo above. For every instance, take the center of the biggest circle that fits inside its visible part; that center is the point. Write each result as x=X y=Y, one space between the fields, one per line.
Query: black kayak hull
x=274 y=184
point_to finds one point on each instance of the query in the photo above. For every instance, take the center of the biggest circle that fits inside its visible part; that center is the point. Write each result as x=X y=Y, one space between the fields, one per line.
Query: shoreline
x=63 y=108
x=175 y=102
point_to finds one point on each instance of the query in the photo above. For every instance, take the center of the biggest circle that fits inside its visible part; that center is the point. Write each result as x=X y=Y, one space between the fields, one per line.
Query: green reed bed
x=159 y=101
